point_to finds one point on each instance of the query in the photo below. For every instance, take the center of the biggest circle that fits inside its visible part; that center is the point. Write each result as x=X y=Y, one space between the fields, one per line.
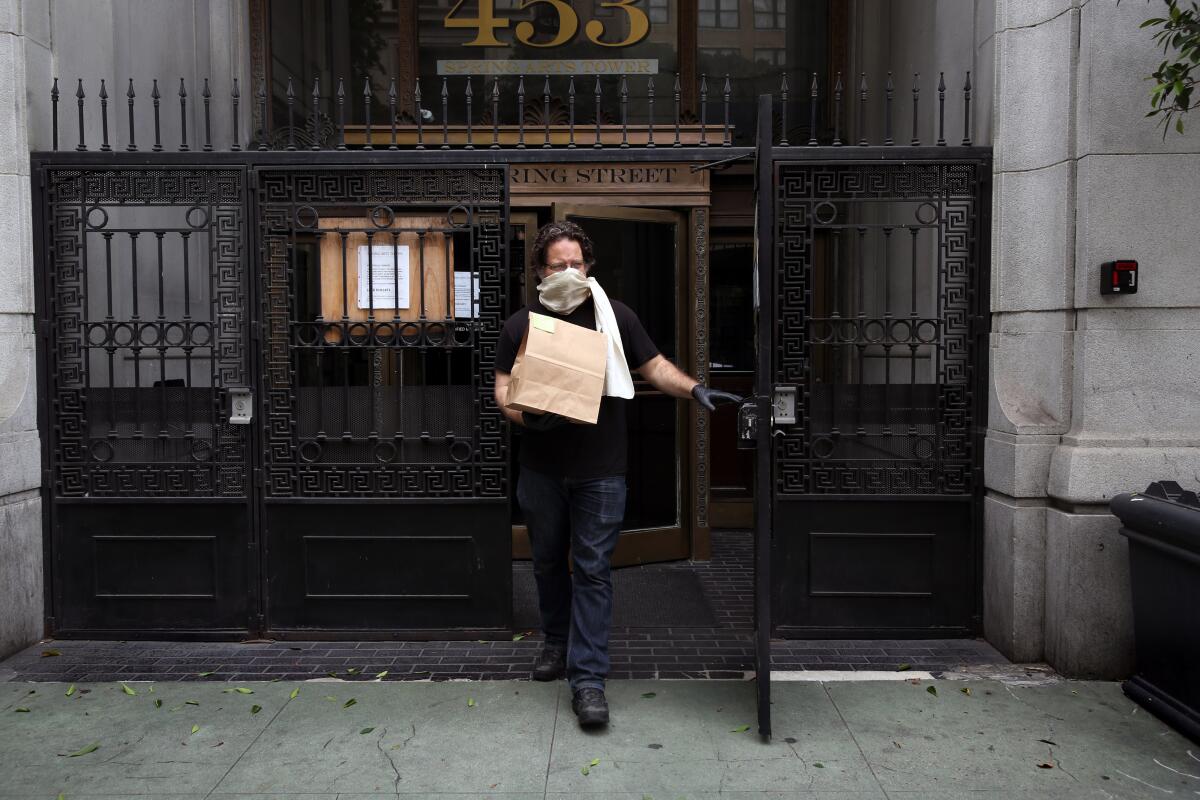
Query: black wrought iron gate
x=268 y=396
x=876 y=318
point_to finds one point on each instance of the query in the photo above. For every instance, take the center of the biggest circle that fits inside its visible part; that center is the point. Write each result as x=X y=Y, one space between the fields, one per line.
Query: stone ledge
x=1096 y=474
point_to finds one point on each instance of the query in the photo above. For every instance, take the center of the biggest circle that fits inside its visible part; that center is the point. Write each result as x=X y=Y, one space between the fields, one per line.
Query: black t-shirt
x=579 y=451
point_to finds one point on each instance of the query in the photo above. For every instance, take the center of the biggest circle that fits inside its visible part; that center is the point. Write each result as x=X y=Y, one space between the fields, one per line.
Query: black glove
x=543 y=422
x=709 y=398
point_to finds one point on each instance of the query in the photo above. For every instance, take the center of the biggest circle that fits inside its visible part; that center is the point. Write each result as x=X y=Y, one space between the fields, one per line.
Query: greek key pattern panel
x=875 y=310
x=147 y=305
x=376 y=404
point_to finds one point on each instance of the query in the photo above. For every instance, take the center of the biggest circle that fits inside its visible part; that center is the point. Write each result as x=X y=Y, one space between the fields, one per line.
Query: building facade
x=1087 y=395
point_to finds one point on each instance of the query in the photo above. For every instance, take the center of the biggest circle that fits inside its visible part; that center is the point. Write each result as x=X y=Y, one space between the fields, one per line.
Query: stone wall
x=24 y=34
x=1092 y=394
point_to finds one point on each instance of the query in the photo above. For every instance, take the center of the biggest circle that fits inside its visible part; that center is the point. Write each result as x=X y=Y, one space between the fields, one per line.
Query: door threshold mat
x=643 y=597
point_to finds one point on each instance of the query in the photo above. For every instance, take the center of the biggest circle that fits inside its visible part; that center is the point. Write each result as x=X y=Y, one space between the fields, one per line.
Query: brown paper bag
x=559 y=370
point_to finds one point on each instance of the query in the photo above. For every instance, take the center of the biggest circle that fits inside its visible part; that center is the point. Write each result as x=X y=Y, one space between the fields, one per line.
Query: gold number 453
x=485 y=23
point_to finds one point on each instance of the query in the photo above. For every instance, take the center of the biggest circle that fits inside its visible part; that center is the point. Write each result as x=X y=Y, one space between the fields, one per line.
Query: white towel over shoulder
x=617 y=380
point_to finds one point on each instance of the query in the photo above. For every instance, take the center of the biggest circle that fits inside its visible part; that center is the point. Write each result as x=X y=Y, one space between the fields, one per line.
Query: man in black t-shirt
x=572 y=484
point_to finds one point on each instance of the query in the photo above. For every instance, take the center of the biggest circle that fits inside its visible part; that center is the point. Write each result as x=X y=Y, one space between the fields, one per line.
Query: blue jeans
x=582 y=517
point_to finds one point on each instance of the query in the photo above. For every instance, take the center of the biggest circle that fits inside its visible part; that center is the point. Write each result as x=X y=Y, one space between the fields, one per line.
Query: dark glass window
x=719 y=13
x=770 y=14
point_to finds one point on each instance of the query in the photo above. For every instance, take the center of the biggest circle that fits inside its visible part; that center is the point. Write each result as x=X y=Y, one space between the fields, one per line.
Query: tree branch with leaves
x=1175 y=79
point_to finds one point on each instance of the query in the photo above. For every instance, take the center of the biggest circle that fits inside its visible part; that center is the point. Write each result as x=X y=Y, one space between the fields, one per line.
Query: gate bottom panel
x=855 y=568
x=388 y=570
x=151 y=570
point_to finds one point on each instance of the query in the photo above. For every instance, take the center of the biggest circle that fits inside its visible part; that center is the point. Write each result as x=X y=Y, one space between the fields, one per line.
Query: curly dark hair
x=552 y=232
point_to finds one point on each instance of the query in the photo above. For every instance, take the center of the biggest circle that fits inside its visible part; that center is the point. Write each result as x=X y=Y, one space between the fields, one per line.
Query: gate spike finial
x=967 y=111
x=420 y=114
x=813 y=90
x=79 y=95
x=291 y=102
x=236 y=95
x=54 y=94
x=130 y=94
x=104 y=145
x=727 y=137
x=262 y=114
x=624 y=102
x=392 y=112
x=521 y=112
x=368 y=96
x=183 y=145
x=703 y=110
x=837 y=111
x=571 y=113
x=862 y=109
x=916 y=92
x=887 y=114
x=340 y=98
x=597 y=144
x=546 y=111
x=316 y=110
x=941 y=140
x=470 y=98
x=650 y=111
x=495 y=113
x=783 y=104
x=445 y=113
x=677 y=143
x=206 y=94
x=156 y=97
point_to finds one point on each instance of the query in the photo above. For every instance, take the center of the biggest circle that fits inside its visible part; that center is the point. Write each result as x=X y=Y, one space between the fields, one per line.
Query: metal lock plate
x=747 y=427
x=783 y=405
x=241 y=406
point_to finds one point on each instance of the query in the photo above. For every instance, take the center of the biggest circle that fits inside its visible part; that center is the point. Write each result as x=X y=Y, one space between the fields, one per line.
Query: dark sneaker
x=550 y=665
x=590 y=706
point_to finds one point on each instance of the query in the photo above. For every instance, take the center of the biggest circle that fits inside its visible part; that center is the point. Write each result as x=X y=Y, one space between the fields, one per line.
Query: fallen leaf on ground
x=365 y=730
x=195 y=729
x=904 y=668
x=965 y=690
x=381 y=674
x=353 y=671
x=91 y=748
x=191 y=702
x=740 y=729
x=1045 y=766
x=21 y=710
x=649 y=694
x=125 y=688
x=349 y=703
x=932 y=690
x=1047 y=741
x=204 y=674
x=70 y=690
x=584 y=770
x=254 y=709
x=295 y=692
x=818 y=765
x=243 y=690
x=158 y=703
x=49 y=653
x=595 y=762
x=470 y=702
x=518 y=637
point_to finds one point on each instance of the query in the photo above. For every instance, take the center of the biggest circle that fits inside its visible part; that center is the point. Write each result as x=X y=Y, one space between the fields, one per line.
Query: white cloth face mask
x=565 y=291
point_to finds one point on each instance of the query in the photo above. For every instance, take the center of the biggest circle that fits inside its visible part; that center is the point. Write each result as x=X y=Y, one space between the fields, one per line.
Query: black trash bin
x=1163 y=528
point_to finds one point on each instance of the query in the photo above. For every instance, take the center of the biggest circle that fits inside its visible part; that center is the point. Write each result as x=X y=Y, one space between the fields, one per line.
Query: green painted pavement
x=518 y=741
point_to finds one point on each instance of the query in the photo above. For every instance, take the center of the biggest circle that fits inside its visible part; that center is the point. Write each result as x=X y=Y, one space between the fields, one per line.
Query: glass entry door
x=638 y=261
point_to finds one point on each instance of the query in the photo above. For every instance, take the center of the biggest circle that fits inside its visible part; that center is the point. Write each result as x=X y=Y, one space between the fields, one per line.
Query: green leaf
x=158 y=703
x=584 y=770
x=204 y=674
x=125 y=688
x=50 y=653
x=903 y=668
x=353 y=671
x=331 y=698
x=648 y=695
x=195 y=729
x=740 y=729
x=966 y=690
x=243 y=690
x=381 y=674
x=818 y=765
x=62 y=796
x=470 y=702
x=91 y=748
x=70 y=690
x=191 y=702
x=365 y=730
x=254 y=709
x=21 y=710
x=518 y=637
x=349 y=703
x=295 y=692
x=595 y=762
x=932 y=690
x=332 y=674
x=151 y=690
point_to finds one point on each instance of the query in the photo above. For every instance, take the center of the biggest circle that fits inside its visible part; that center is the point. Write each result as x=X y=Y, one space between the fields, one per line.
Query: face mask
x=565 y=291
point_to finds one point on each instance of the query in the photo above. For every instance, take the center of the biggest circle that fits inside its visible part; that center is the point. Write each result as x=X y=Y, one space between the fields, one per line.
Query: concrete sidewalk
x=518 y=740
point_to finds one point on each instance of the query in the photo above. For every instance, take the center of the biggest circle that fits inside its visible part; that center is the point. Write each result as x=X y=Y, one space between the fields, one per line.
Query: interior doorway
x=639 y=261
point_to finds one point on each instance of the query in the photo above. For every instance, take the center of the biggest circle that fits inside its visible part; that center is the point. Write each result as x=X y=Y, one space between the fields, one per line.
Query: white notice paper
x=382 y=283
x=464 y=283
